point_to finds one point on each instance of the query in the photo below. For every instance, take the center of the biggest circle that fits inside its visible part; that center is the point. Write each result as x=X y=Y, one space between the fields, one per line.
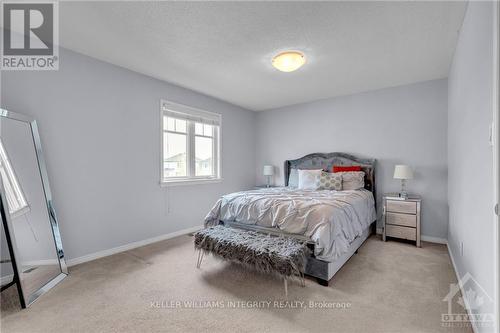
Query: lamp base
x=403 y=194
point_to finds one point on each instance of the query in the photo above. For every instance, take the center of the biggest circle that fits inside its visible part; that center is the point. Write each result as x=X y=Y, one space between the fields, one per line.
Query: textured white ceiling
x=224 y=49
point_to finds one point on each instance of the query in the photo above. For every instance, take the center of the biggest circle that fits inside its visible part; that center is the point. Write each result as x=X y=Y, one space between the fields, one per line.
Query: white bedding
x=332 y=219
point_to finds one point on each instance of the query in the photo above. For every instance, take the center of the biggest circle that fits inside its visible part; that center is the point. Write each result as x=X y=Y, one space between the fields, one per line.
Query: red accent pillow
x=342 y=168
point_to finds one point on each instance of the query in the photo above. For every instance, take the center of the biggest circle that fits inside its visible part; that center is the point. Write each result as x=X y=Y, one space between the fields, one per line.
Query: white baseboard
x=430 y=239
x=6 y=279
x=459 y=279
x=130 y=246
x=42 y=262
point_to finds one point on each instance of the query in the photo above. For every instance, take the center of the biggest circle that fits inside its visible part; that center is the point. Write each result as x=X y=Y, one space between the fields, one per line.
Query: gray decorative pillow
x=352 y=180
x=330 y=181
x=293 y=178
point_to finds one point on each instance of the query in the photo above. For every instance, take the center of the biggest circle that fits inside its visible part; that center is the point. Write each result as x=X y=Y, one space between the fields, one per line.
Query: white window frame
x=191 y=114
x=16 y=200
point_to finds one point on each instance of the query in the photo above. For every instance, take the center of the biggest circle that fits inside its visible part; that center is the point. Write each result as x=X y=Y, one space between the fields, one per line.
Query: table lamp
x=268 y=172
x=403 y=172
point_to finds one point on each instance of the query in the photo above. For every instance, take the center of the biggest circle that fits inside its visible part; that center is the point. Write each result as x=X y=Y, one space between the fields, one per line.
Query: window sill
x=184 y=182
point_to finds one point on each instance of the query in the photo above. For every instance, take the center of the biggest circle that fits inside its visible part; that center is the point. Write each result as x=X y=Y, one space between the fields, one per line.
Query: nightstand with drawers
x=402 y=217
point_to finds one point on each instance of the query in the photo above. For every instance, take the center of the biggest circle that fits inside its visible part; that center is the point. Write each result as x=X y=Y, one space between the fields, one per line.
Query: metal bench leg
x=286 y=286
x=302 y=280
x=200 y=258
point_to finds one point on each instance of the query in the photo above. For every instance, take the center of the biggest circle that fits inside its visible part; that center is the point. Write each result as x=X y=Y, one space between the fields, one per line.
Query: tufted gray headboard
x=327 y=161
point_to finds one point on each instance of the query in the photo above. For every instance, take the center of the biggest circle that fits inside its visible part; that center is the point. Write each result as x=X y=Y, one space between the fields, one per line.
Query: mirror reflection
x=29 y=227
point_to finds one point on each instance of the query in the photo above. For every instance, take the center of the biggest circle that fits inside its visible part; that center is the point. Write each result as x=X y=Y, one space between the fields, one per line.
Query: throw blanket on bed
x=332 y=219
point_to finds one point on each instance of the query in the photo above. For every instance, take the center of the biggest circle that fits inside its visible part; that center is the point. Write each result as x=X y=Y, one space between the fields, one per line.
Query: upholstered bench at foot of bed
x=277 y=255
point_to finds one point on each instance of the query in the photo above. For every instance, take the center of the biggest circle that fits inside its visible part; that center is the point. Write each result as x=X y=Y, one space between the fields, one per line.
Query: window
x=15 y=197
x=190 y=144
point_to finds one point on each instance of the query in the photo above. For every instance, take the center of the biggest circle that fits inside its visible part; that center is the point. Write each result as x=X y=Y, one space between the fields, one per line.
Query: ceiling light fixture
x=289 y=61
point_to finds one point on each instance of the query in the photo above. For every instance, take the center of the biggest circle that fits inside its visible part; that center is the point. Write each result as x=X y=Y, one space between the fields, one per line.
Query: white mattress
x=332 y=219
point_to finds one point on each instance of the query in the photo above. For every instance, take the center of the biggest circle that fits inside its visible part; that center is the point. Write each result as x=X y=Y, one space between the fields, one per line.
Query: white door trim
x=496 y=162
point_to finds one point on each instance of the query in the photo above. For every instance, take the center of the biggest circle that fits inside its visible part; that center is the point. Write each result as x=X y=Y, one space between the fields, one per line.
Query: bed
x=334 y=223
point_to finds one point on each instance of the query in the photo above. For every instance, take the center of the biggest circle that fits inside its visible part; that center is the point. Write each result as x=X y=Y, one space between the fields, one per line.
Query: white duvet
x=332 y=219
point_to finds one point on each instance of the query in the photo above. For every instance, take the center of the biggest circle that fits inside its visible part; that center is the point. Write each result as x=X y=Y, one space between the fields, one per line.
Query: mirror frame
x=27 y=300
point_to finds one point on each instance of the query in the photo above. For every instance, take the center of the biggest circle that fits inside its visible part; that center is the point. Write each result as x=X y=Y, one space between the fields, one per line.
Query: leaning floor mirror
x=32 y=253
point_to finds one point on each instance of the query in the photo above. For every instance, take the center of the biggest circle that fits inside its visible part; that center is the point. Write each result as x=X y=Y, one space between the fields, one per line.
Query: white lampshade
x=268 y=170
x=403 y=172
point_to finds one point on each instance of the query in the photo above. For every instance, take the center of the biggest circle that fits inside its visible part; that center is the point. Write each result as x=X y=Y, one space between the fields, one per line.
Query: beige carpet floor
x=386 y=287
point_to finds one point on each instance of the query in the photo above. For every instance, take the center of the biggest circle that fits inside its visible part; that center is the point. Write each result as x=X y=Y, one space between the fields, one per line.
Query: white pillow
x=353 y=180
x=293 y=178
x=308 y=179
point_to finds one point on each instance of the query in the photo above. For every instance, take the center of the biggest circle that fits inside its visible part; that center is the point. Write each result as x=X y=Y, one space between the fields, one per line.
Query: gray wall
x=405 y=124
x=470 y=157
x=100 y=130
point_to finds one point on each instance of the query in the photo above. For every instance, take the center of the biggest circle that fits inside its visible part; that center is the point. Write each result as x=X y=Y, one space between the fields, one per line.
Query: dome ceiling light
x=289 y=61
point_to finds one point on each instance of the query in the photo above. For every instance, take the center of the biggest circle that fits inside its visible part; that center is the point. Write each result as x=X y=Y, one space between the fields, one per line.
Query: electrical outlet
x=461 y=249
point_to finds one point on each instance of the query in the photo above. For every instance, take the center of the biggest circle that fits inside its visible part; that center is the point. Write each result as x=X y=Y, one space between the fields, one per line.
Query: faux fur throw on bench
x=278 y=255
